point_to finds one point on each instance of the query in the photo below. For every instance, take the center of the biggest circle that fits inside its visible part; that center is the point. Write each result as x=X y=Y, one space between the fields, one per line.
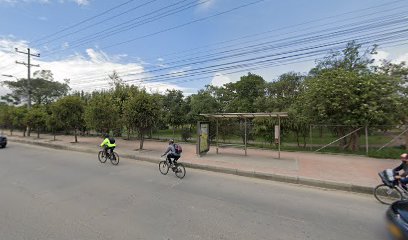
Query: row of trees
x=345 y=90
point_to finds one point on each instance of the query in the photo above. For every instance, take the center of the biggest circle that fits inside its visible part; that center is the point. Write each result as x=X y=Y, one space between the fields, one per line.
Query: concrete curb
x=265 y=176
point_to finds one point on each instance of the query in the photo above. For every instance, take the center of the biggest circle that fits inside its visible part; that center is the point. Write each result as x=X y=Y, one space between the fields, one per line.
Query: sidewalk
x=349 y=173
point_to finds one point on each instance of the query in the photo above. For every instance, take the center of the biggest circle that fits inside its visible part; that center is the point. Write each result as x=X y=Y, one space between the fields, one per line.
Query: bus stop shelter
x=246 y=117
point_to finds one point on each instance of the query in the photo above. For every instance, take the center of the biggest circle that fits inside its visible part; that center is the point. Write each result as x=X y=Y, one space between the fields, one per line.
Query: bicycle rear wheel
x=102 y=156
x=114 y=158
x=180 y=170
x=163 y=167
x=386 y=194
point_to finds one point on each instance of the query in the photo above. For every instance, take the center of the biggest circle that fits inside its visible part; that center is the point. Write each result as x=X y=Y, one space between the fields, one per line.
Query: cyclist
x=403 y=166
x=108 y=143
x=172 y=153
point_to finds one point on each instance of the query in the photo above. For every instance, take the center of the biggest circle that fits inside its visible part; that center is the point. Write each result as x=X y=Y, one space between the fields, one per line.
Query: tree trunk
x=297 y=138
x=128 y=134
x=28 y=131
x=304 y=141
x=38 y=132
x=406 y=140
x=53 y=132
x=141 y=141
x=76 y=138
x=355 y=142
x=343 y=142
x=11 y=132
x=24 y=133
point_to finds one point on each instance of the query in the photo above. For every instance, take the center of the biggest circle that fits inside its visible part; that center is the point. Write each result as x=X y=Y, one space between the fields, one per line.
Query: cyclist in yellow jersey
x=108 y=144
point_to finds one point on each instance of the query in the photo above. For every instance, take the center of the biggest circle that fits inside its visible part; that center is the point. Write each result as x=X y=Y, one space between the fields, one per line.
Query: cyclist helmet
x=171 y=141
x=404 y=156
x=106 y=135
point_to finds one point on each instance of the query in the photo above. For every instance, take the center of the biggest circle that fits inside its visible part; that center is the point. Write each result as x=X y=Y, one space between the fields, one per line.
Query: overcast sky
x=187 y=44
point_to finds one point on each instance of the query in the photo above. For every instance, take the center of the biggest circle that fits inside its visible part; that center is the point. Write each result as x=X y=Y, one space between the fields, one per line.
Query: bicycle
x=111 y=155
x=177 y=168
x=390 y=190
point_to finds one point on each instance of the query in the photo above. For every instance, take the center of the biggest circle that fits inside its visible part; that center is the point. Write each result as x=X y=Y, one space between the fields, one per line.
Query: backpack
x=111 y=140
x=178 y=148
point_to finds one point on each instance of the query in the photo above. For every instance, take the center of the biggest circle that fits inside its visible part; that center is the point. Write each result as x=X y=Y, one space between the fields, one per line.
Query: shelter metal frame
x=245 y=116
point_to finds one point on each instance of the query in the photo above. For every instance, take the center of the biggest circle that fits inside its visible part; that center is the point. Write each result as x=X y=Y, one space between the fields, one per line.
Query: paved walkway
x=345 y=172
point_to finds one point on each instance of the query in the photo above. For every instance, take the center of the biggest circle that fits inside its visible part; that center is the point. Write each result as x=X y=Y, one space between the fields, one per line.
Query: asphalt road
x=53 y=194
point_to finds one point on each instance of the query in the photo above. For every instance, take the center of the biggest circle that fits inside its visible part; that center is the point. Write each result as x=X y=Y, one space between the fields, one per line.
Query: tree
x=43 y=88
x=10 y=99
x=19 y=119
x=351 y=58
x=342 y=97
x=6 y=117
x=202 y=102
x=141 y=113
x=53 y=124
x=281 y=94
x=36 y=118
x=243 y=95
x=175 y=108
x=70 y=111
x=102 y=114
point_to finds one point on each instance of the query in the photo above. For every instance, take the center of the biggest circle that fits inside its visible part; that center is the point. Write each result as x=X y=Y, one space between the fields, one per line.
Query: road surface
x=55 y=194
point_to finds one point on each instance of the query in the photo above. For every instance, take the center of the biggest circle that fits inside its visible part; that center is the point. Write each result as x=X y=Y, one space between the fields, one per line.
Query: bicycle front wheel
x=163 y=167
x=114 y=158
x=102 y=156
x=386 y=194
x=180 y=170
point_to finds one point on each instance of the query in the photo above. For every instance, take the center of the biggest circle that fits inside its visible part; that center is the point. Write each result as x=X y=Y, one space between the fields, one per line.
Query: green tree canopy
x=102 y=114
x=43 y=88
x=141 y=113
x=36 y=118
x=70 y=111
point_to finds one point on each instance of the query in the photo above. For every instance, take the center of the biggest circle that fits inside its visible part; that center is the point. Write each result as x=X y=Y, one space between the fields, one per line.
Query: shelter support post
x=279 y=139
x=216 y=136
x=245 y=137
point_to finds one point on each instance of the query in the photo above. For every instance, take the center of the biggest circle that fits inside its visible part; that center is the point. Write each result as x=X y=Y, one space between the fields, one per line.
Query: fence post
x=366 y=139
x=310 y=134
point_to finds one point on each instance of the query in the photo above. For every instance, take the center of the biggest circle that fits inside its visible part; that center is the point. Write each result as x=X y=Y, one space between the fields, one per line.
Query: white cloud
x=205 y=4
x=381 y=55
x=86 y=72
x=82 y=2
x=402 y=58
x=43 y=18
x=219 y=80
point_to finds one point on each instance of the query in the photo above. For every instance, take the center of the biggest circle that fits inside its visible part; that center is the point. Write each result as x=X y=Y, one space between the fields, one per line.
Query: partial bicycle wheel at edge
x=163 y=167
x=114 y=158
x=102 y=157
x=387 y=195
x=180 y=171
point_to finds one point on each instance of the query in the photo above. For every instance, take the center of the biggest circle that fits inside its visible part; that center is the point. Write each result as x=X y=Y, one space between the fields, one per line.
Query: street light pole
x=29 y=65
x=10 y=76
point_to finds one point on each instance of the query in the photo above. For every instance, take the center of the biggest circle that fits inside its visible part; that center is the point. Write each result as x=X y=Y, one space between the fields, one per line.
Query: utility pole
x=29 y=65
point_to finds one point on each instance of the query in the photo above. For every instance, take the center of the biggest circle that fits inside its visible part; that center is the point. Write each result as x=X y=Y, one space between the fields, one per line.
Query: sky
x=188 y=44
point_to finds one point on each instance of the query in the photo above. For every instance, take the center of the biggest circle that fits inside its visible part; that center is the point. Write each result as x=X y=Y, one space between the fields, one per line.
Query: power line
x=266 y=58
x=266 y=46
x=84 y=21
x=104 y=33
x=175 y=27
x=98 y=23
x=247 y=47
